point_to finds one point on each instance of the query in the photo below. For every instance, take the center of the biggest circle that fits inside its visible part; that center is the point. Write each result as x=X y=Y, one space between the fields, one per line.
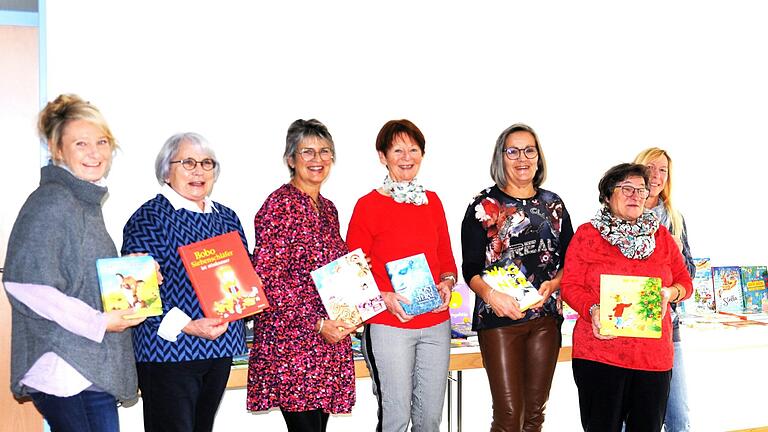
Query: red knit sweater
x=589 y=256
x=387 y=230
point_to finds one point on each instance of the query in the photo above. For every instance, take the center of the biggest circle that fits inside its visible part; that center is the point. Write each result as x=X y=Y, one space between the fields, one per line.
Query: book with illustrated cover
x=129 y=282
x=753 y=288
x=727 y=288
x=348 y=290
x=460 y=308
x=703 y=298
x=630 y=306
x=504 y=276
x=411 y=278
x=222 y=275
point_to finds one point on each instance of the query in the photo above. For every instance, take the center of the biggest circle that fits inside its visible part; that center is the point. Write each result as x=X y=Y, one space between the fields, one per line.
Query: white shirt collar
x=179 y=202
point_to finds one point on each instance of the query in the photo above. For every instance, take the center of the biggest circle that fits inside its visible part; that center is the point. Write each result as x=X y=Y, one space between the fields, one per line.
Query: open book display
x=129 y=282
x=504 y=276
x=347 y=289
x=222 y=275
x=411 y=278
x=630 y=306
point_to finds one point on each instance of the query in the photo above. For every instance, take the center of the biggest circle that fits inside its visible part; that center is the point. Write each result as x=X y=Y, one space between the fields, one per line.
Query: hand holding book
x=333 y=331
x=206 y=328
x=118 y=321
x=392 y=300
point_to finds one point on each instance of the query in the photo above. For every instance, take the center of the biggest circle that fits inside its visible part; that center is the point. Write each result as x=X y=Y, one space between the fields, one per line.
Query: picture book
x=504 y=276
x=347 y=289
x=727 y=288
x=703 y=298
x=460 y=308
x=222 y=275
x=129 y=282
x=753 y=288
x=411 y=278
x=630 y=306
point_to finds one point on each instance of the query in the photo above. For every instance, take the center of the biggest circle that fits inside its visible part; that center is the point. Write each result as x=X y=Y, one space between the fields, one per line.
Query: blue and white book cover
x=727 y=285
x=411 y=278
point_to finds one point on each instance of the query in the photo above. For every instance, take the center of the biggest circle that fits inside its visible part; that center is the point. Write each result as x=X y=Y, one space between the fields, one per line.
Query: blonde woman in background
x=659 y=201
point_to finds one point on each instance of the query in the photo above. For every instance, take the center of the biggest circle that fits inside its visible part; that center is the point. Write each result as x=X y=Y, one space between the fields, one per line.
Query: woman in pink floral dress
x=301 y=361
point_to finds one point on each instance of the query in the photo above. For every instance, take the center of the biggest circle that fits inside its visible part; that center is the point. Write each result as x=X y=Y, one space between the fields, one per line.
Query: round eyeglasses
x=513 y=153
x=190 y=164
x=308 y=154
x=628 y=191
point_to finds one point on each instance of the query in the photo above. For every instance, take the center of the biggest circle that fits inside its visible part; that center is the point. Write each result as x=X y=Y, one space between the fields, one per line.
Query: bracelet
x=449 y=277
x=592 y=309
x=679 y=294
x=320 y=327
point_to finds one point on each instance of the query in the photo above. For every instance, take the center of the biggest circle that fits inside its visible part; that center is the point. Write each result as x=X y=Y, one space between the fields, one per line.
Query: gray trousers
x=409 y=370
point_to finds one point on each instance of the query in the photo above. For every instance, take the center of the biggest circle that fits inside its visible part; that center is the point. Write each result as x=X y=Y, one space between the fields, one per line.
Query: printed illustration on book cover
x=630 y=306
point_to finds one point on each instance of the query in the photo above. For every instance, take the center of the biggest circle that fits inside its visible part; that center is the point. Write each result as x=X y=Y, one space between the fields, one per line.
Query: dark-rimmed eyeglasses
x=513 y=153
x=628 y=191
x=308 y=154
x=190 y=164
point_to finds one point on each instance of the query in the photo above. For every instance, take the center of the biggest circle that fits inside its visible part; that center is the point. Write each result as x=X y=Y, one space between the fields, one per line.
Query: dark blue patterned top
x=157 y=229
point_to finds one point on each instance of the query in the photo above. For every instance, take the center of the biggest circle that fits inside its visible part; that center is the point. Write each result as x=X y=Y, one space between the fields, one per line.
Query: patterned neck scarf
x=410 y=192
x=635 y=241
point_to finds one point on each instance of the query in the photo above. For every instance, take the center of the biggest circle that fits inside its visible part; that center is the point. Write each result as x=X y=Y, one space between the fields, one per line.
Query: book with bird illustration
x=630 y=306
x=129 y=282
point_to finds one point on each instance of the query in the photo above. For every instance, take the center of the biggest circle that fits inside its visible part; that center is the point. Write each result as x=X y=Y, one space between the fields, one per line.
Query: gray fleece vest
x=56 y=239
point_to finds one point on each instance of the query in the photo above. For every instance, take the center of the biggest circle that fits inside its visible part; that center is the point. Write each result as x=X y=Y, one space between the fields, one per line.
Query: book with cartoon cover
x=727 y=288
x=703 y=298
x=411 y=278
x=504 y=276
x=630 y=306
x=348 y=290
x=753 y=288
x=223 y=277
x=129 y=282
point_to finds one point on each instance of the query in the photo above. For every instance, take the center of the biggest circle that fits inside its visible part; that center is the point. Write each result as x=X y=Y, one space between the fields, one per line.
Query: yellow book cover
x=129 y=282
x=630 y=306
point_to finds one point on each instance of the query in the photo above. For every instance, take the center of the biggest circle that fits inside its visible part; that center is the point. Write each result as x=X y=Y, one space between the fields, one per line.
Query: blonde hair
x=648 y=155
x=64 y=109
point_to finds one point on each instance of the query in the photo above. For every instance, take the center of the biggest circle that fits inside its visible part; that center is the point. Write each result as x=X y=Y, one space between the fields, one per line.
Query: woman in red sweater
x=406 y=355
x=622 y=379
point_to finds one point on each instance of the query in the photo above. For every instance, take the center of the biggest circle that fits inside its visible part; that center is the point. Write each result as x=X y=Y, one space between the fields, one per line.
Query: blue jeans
x=409 y=370
x=87 y=411
x=676 y=419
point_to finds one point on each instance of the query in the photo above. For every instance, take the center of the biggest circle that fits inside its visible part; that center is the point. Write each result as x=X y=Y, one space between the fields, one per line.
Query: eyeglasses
x=308 y=154
x=628 y=191
x=514 y=153
x=190 y=164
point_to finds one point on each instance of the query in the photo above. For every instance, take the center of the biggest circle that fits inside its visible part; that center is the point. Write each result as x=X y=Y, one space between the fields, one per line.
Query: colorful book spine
x=412 y=278
x=630 y=306
x=727 y=286
x=348 y=290
x=222 y=275
x=130 y=282
x=753 y=288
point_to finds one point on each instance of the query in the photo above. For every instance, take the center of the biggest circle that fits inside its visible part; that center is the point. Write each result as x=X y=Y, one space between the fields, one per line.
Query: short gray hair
x=171 y=147
x=300 y=130
x=499 y=174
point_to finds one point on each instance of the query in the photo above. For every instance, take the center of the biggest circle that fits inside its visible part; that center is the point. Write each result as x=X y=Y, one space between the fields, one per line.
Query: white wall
x=599 y=81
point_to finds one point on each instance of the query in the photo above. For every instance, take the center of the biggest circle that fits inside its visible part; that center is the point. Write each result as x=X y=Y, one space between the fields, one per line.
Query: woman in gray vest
x=74 y=360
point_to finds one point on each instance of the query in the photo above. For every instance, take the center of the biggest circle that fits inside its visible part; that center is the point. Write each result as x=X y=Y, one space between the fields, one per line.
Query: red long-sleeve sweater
x=589 y=256
x=387 y=231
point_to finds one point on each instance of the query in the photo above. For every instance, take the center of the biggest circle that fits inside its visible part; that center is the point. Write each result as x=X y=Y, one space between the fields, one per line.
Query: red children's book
x=223 y=277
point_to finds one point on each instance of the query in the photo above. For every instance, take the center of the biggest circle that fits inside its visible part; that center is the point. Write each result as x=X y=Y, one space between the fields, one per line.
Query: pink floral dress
x=290 y=365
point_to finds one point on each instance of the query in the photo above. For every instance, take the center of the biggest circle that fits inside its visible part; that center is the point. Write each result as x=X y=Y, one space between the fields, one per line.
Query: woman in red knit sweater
x=406 y=355
x=622 y=379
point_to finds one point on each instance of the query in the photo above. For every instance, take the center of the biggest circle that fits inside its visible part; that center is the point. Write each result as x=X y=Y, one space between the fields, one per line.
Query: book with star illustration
x=630 y=306
x=348 y=290
x=412 y=278
x=504 y=276
x=222 y=275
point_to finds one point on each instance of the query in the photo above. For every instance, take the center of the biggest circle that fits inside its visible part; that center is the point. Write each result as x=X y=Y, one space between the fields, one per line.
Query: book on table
x=506 y=277
x=703 y=298
x=129 y=282
x=223 y=277
x=412 y=278
x=348 y=290
x=753 y=288
x=630 y=306
x=727 y=288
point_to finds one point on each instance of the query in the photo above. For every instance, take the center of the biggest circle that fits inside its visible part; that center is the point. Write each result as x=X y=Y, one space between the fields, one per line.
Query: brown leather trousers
x=520 y=361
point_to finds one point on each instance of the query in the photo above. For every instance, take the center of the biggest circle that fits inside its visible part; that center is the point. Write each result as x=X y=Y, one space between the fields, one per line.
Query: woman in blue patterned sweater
x=182 y=377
